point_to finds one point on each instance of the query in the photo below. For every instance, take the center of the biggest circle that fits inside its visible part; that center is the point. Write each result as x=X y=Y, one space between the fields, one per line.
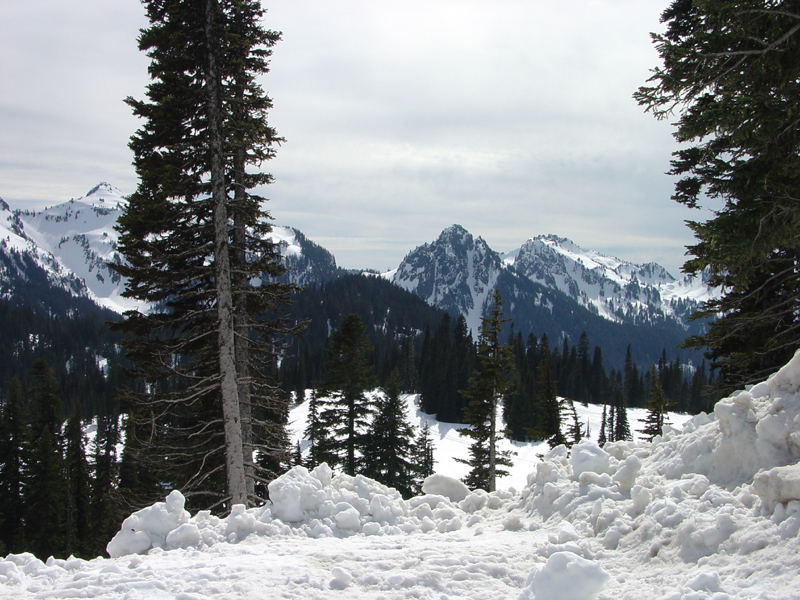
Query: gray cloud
x=512 y=118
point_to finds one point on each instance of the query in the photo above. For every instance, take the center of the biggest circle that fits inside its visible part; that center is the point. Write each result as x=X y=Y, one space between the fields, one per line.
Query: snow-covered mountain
x=548 y=280
x=70 y=245
x=615 y=289
x=457 y=272
x=308 y=262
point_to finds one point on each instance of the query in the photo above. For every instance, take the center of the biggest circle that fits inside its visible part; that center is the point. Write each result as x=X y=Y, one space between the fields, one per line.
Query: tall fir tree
x=656 y=410
x=486 y=390
x=45 y=499
x=601 y=437
x=731 y=69
x=575 y=432
x=548 y=425
x=320 y=445
x=13 y=449
x=346 y=410
x=388 y=455
x=107 y=508
x=423 y=456
x=194 y=247
x=78 y=481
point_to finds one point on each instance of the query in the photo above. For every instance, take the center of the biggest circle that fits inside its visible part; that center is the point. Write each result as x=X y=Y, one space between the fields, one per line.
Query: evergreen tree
x=486 y=388
x=656 y=411
x=601 y=438
x=78 y=526
x=388 y=457
x=320 y=448
x=346 y=410
x=548 y=426
x=575 y=431
x=13 y=448
x=423 y=457
x=733 y=70
x=193 y=243
x=107 y=510
x=622 y=429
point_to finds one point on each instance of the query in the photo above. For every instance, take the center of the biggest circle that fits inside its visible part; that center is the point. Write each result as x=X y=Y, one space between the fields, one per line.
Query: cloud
x=512 y=118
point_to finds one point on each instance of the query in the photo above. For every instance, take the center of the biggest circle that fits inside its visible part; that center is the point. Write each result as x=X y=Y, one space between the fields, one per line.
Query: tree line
x=58 y=497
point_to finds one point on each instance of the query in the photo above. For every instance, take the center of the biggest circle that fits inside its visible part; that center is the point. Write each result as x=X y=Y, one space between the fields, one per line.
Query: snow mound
x=688 y=494
x=152 y=527
x=315 y=504
x=565 y=576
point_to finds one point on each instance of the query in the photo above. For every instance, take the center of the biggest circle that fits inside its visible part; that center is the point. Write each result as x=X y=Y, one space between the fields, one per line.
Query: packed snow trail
x=709 y=513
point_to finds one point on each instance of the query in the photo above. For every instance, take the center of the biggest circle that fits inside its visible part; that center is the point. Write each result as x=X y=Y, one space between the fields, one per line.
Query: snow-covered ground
x=449 y=444
x=711 y=512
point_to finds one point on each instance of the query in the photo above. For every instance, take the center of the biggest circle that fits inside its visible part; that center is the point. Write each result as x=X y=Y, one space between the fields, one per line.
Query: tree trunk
x=234 y=459
x=492 y=443
x=240 y=320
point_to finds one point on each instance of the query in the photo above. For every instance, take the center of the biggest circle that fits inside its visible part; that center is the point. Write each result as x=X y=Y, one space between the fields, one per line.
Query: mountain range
x=458 y=272
x=550 y=284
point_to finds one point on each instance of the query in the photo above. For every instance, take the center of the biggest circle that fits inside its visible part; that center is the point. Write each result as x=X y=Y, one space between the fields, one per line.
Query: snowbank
x=687 y=494
x=315 y=504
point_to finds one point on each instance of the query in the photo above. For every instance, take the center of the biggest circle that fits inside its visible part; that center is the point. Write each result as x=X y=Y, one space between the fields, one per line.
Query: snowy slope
x=308 y=263
x=79 y=235
x=708 y=513
x=73 y=242
x=449 y=445
x=615 y=289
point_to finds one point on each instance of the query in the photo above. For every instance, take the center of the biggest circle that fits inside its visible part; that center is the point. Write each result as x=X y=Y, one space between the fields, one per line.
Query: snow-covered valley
x=708 y=512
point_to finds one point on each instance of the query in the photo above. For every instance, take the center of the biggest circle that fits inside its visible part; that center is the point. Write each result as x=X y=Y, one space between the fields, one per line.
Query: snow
x=73 y=242
x=710 y=512
x=286 y=238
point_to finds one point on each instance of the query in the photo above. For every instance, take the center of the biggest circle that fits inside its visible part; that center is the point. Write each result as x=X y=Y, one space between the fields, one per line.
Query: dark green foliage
x=423 y=456
x=732 y=71
x=548 y=424
x=389 y=456
x=320 y=446
x=657 y=409
x=13 y=445
x=575 y=431
x=601 y=438
x=71 y=344
x=346 y=411
x=391 y=316
x=446 y=362
x=108 y=508
x=77 y=510
x=45 y=522
x=487 y=388
x=622 y=428
x=194 y=243
x=45 y=498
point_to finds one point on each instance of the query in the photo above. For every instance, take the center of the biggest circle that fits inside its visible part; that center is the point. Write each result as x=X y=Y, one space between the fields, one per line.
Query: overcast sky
x=512 y=118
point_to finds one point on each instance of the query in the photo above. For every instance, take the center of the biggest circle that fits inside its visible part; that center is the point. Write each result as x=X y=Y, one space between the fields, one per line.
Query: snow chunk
x=586 y=455
x=565 y=576
x=778 y=485
x=450 y=487
x=149 y=527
